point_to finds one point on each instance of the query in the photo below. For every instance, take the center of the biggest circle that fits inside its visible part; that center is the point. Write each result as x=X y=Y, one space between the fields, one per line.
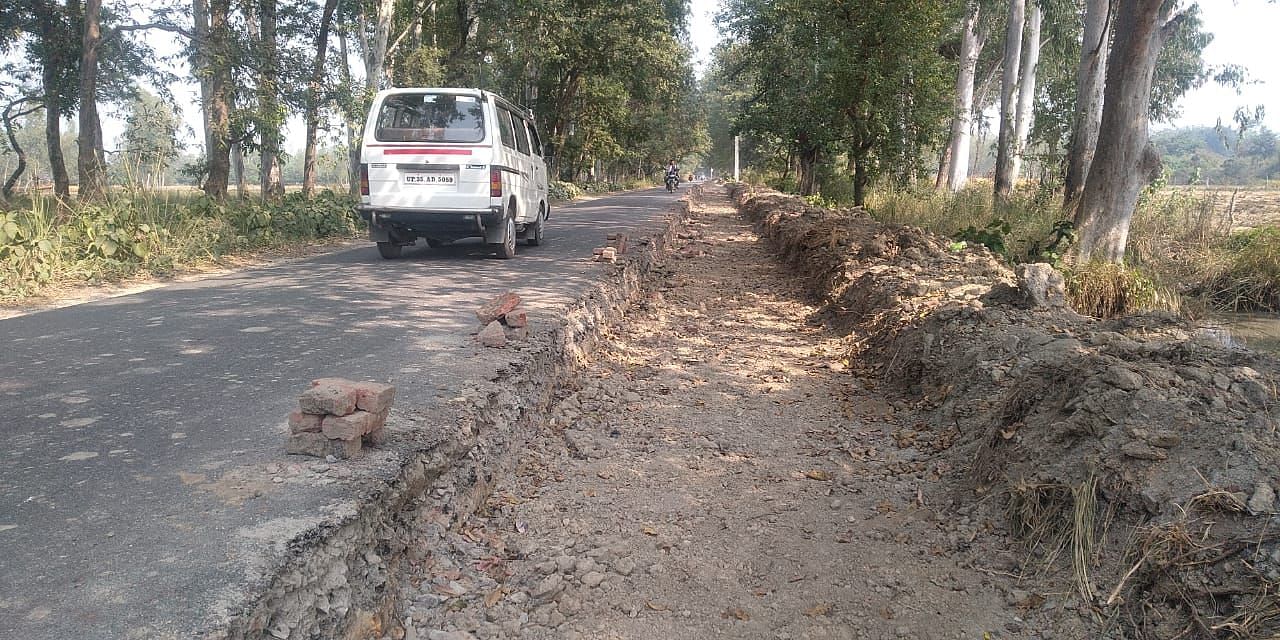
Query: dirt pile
x=1137 y=459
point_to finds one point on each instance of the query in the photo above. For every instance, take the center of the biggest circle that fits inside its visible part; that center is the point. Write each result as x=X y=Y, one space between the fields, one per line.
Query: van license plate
x=430 y=178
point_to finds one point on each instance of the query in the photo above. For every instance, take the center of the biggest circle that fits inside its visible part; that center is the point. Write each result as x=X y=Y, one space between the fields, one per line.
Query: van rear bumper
x=388 y=224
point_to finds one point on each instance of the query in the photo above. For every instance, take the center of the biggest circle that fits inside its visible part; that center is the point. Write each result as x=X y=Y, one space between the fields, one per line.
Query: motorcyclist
x=673 y=172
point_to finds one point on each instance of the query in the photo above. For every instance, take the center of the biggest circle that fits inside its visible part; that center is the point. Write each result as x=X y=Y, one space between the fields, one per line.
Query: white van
x=445 y=164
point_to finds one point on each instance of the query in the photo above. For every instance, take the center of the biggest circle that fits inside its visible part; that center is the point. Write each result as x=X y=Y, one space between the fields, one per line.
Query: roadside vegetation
x=890 y=113
x=45 y=244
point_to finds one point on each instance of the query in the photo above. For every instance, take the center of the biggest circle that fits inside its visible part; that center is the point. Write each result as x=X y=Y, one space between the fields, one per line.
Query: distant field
x=1238 y=207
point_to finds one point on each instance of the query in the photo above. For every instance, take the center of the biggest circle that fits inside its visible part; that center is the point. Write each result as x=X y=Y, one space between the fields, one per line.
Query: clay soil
x=719 y=471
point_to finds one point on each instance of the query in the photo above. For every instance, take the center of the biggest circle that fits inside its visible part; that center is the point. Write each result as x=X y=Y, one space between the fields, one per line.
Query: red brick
x=497 y=307
x=331 y=396
x=516 y=319
x=300 y=422
x=374 y=397
x=348 y=427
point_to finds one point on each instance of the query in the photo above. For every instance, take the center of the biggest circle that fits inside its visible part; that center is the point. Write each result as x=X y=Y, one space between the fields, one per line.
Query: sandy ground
x=717 y=473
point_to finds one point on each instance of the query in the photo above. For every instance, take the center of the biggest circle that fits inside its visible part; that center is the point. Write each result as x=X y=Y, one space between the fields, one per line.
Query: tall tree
x=315 y=90
x=1026 y=89
x=218 y=69
x=1009 y=97
x=57 y=50
x=1090 y=81
x=1124 y=160
x=270 y=110
x=972 y=38
x=90 y=164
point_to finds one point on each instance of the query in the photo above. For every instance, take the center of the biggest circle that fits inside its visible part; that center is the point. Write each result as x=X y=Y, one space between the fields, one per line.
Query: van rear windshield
x=430 y=117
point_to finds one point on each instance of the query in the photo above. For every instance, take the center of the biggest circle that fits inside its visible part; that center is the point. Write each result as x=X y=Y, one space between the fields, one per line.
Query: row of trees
x=896 y=91
x=610 y=83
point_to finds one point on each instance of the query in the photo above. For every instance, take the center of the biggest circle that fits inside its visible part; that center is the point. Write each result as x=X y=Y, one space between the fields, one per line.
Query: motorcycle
x=673 y=180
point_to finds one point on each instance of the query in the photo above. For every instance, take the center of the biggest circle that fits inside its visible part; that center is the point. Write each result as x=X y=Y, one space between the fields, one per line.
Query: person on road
x=672 y=176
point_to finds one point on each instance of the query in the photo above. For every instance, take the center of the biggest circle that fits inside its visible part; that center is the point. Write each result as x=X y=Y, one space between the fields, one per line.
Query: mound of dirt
x=1137 y=458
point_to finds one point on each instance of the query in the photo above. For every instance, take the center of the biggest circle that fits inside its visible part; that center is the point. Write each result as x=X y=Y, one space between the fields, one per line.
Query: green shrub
x=557 y=190
x=41 y=244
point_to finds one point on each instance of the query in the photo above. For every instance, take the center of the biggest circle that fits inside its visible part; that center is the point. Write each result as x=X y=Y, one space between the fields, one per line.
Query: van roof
x=462 y=91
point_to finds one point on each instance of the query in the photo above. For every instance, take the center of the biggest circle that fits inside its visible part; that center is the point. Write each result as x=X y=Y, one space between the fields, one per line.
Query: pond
x=1257 y=331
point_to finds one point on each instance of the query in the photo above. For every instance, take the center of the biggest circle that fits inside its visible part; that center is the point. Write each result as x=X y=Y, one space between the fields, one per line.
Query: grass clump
x=1106 y=290
x=44 y=242
x=1250 y=275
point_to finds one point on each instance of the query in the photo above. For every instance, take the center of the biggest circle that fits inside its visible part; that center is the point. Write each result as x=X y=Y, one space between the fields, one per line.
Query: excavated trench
x=344 y=578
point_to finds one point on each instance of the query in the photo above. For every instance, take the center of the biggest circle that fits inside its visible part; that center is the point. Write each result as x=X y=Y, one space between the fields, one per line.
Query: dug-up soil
x=871 y=438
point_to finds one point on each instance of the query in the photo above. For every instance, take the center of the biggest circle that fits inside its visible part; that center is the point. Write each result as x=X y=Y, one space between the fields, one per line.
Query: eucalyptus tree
x=1090 y=81
x=1123 y=160
x=974 y=28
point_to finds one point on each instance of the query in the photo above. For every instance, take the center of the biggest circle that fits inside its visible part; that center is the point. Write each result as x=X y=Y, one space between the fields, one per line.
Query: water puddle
x=1257 y=331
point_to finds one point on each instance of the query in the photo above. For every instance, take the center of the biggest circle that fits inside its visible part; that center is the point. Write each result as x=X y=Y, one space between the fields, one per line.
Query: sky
x=1244 y=31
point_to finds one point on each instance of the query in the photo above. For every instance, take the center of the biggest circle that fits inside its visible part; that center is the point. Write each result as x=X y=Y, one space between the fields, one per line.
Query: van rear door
x=428 y=150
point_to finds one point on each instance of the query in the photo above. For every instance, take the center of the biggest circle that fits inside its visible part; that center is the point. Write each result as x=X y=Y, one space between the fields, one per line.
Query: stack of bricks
x=336 y=417
x=497 y=317
x=616 y=246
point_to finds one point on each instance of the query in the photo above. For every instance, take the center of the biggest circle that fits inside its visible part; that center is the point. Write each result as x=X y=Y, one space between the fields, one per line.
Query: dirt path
x=716 y=474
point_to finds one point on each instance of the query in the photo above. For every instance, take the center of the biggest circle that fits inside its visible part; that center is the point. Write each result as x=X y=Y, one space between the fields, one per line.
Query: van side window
x=504 y=127
x=522 y=134
x=534 y=141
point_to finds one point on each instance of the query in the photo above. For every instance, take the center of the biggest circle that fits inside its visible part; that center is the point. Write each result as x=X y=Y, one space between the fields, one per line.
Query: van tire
x=533 y=236
x=390 y=250
x=506 y=249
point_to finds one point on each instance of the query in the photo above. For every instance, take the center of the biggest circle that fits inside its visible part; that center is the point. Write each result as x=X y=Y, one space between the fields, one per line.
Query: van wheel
x=534 y=236
x=390 y=250
x=507 y=248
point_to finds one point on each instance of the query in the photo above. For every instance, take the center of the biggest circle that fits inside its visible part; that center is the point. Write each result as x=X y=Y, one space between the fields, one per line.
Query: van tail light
x=364 y=179
x=495 y=182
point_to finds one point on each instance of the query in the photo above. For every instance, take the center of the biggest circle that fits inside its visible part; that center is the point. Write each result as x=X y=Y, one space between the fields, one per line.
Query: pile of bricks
x=497 y=317
x=336 y=417
x=616 y=246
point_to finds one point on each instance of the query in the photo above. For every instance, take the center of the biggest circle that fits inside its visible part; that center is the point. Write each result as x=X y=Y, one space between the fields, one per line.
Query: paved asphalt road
x=128 y=424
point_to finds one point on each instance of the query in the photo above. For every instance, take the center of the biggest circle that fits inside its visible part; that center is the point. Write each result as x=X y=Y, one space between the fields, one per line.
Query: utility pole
x=736 y=140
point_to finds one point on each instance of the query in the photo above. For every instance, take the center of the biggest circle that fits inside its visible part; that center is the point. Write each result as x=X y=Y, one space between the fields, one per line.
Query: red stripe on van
x=421 y=151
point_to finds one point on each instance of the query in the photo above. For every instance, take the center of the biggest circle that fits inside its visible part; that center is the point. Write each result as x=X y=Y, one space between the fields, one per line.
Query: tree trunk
x=1008 y=98
x=1026 y=90
x=1090 y=80
x=468 y=22
x=89 y=163
x=8 y=117
x=312 y=116
x=352 y=125
x=200 y=62
x=270 y=112
x=861 y=180
x=1123 y=161
x=54 y=101
x=219 y=72
x=237 y=170
x=807 y=171
x=962 y=120
x=377 y=73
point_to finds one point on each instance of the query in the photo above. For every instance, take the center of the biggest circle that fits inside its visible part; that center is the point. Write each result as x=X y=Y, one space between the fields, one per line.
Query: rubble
x=1104 y=441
